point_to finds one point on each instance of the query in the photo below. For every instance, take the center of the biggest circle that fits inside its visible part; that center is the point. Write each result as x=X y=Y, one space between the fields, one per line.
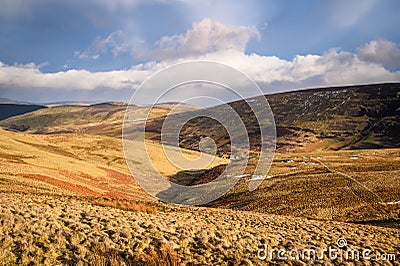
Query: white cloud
x=204 y=37
x=382 y=52
x=335 y=67
x=30 y=77
x=113 y=43
x=332 y=68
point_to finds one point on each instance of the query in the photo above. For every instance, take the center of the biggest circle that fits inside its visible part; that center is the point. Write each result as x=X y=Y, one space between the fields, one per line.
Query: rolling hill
x=65 y=165
x=67 y=196
x=102 y=119
x=354 y=117
x=9 y=109
x=332 y=160
x=75 y=164
x=319 y=131
x=351 y=117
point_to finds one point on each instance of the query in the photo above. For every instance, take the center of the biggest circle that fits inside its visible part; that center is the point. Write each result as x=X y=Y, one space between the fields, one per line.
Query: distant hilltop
x=346 y=117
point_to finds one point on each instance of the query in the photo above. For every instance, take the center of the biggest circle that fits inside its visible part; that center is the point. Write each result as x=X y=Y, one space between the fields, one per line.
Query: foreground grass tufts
x=126 y=205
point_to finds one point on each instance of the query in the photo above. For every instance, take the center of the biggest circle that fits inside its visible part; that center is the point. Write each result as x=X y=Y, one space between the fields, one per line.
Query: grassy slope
x=339 y=118
x=12 y=109
x=94 y=166
x=357 y=117
x=61 y=229
x=64 y=119
x=74 y=163
x=71 y=164
x=333 y=185
x=103 y=119
x=51 y=230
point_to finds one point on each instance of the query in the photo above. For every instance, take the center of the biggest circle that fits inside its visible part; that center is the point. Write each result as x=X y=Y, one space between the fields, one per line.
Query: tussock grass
x=58 y=230
x=101 y=255
x=347 y=186
x=126 y=205
x=163 y=256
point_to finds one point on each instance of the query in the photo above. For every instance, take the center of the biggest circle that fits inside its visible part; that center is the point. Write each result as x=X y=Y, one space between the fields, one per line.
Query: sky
x=101 y=50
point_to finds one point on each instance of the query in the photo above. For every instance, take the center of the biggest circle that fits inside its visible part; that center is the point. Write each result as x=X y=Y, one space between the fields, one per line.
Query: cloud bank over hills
x=118 y=45
x=376 y=61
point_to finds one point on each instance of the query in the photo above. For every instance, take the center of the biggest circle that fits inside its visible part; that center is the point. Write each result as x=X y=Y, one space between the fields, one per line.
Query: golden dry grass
x=104 y=119
x=126 y=205
x=65 y=230
x=76 y=164
x=114 y=224
x=66 y=164
x=327 y=185
x=94 y=166
x=101 y=255
x=164 y=166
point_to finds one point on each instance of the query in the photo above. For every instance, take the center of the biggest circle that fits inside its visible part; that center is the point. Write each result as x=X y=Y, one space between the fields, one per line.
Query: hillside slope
x=76 y=164
x=102 y=119
x=346 y=185
x=46 y=230
x=65 y=164
x=351 y=117
x=12 y=109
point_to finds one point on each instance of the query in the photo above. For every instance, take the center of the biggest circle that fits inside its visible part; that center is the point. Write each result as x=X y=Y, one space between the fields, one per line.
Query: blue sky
x=101 y=50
